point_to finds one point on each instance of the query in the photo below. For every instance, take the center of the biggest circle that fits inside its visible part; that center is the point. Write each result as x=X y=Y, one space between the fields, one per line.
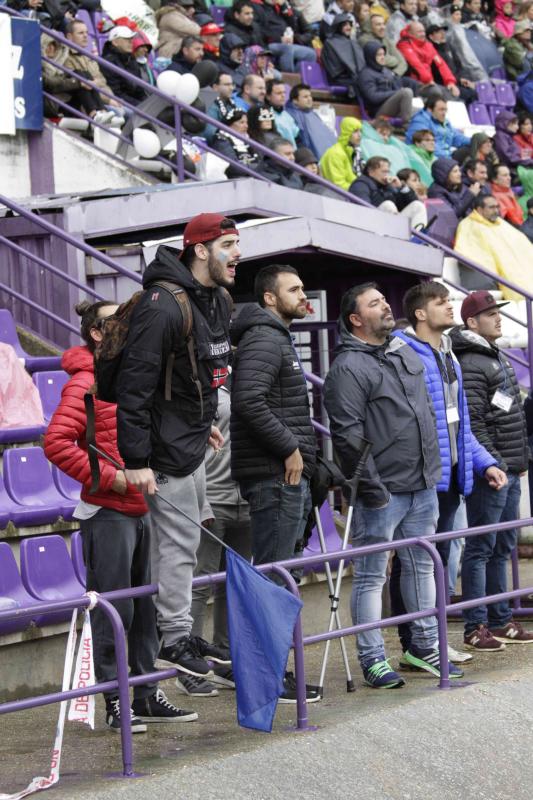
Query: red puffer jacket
x=420 y=55
x=65 y=444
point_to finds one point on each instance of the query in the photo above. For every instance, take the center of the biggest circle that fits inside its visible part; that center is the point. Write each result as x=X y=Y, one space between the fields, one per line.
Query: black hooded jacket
x=171 y=435
x=486 y=369
x=270 y=416
x=226 y=64
x=342 y=57
x=377 y=83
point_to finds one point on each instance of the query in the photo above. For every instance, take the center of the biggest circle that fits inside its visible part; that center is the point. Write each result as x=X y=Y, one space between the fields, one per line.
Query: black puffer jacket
x=269 y=401
x=485 y=370
x=171 y=435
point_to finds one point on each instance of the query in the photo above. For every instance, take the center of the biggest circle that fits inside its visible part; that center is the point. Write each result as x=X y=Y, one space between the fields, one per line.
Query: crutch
x=364 y=447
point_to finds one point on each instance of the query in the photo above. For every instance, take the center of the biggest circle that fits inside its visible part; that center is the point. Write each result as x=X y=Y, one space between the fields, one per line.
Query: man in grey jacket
x=376 y=390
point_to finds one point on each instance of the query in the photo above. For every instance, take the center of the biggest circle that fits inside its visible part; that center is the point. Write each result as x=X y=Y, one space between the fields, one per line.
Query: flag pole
x=175 y=508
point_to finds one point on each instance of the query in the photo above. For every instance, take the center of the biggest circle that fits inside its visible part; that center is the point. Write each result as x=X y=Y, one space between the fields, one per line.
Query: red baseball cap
x=209 y=29
x=205 y=228
x=477 y=302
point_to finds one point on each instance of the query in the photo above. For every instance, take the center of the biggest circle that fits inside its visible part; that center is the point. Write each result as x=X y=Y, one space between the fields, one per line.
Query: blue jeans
x=406 y=515
x=278 y=514
x=485 y=558
x=288 y=56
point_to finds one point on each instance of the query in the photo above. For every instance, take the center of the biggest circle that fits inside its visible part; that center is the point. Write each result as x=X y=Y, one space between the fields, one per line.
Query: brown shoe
x=482 y=640
x=513 y=633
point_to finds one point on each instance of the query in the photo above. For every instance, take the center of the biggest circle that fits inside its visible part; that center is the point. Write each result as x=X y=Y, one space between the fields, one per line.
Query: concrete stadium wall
x=54 y=161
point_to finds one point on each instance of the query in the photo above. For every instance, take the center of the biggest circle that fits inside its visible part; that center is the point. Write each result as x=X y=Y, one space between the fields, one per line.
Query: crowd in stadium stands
x=401 y=64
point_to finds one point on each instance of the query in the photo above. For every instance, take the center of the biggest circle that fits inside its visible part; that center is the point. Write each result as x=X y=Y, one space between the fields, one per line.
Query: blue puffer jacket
x=471 y=455
x=447 y=138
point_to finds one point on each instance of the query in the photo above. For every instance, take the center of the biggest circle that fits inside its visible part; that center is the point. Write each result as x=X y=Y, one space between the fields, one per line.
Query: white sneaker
x=457 y=656
x=117 y=121
x=103 y=117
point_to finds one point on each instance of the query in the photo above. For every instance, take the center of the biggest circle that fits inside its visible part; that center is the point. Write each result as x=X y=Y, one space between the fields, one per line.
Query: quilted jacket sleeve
x=67 y=428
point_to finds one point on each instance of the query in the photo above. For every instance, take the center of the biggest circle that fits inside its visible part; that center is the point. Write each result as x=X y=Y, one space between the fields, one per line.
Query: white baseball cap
x=121 y=32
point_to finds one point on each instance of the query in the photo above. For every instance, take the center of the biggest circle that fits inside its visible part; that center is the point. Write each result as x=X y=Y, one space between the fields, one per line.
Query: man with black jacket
x=167 y=400
x=498 y=422
x=376 y=390
x=342 y=56
x=272 y=438
x=240 y=20
x=118 y=51
x=385 y=192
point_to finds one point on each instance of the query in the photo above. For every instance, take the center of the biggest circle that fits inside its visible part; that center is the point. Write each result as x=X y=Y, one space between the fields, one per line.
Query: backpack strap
x=90 y=437
x=182 y=299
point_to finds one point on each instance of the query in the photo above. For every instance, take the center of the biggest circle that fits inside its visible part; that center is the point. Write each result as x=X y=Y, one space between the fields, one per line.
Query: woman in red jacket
x=115 y=528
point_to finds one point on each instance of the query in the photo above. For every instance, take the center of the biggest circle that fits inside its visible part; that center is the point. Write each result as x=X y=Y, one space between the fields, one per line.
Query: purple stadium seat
x=479 y=114
x=217 y=12
x=9 y=335
x=48 y=573
x=76 y=554
x=49 y=385
x=494 y=111
x=20 y=516
x=498 y=73
x=26 y=433
x=66 y=485
x=486 y=93
x=29 y=483
x=13 y=595
x=505 y=95
x=315 y=76
x=444 y=222
x=331 y=537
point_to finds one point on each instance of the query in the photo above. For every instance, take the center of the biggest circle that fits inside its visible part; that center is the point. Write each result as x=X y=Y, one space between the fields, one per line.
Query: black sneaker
x=194 y=686
x=211 y=651
x=112 y=718
x=184 y=654
x=312 y=693
x=156 y=708
x=223 y=678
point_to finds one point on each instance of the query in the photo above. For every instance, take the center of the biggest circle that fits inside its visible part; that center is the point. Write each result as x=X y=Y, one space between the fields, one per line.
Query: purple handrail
x=38 y=308
x=49 y=267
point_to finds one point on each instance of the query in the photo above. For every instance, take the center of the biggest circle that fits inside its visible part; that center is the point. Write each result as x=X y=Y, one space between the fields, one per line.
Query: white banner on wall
x=7 y=97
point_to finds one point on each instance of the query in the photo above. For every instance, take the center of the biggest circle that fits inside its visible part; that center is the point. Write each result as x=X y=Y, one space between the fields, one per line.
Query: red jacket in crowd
x=65 y=444
x=421 y=55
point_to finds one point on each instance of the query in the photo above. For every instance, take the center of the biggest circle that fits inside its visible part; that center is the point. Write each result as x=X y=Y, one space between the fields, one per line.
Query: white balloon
x=169 y=82
x=188 y=89
x=146 y=143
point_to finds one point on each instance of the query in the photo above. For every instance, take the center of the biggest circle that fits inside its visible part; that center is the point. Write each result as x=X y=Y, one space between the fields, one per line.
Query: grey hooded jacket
x=379 y=392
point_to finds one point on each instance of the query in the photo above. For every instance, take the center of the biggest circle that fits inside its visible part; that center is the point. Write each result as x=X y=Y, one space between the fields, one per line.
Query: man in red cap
x=167 y=400
x=211 y=35
x=498 y=422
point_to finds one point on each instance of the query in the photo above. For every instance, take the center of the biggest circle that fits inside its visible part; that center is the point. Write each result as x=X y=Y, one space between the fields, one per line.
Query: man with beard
x=273 y=442
x=376 y=390
x=167 y=401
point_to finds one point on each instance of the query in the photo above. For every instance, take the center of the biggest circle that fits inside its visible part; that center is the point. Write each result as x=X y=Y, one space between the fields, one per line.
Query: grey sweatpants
x=175 y=541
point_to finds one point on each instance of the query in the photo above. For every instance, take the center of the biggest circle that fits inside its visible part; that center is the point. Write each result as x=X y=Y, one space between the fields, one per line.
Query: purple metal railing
x=123 y=681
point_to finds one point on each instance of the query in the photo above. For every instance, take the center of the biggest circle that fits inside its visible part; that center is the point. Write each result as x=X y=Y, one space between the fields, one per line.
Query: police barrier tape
x=81 y=708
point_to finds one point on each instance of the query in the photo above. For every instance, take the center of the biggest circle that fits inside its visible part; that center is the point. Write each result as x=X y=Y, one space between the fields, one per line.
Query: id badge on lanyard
x=502 y=400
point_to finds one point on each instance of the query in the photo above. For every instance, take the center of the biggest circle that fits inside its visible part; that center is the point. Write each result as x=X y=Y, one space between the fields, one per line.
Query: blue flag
x=261 y=619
